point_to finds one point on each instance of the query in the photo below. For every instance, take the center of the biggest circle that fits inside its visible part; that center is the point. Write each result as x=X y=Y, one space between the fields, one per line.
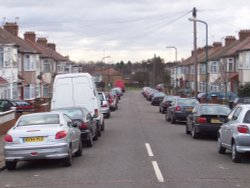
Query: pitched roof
x=6 y=37
x=47 y=52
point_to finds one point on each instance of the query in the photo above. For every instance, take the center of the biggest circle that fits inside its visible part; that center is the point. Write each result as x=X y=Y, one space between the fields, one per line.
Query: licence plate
x=189 y=109
x=215 y=121
x=34 y=139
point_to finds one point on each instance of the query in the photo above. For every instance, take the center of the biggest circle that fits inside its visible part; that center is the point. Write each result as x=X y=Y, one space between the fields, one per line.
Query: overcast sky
x=125 y=30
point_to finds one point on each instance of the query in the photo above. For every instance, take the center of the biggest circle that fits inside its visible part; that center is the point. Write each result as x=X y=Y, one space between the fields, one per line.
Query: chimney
x=217 y=45
x=243 y=34
x=200 y=50
x=42 y=41
x=11 y=28
x=52 y=46
x=229 y=40
x=31 y=36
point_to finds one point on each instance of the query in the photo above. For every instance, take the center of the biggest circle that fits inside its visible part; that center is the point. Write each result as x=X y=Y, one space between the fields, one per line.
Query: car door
x=73 y=133
x=229 y=126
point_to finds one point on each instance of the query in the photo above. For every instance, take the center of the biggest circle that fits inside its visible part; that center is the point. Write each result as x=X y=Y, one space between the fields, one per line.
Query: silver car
x=48 y=135
x=234 y=134
x=105 y=108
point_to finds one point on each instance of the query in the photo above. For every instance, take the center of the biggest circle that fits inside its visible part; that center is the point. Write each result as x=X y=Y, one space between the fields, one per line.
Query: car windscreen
x=73 y=113
x=187 y=102
x=247 y=117
x=214 y=109
x=39 y=119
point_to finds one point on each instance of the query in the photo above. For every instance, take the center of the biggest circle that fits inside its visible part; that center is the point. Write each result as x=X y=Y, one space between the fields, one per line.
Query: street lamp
x=175 y=51
x=102 y=62
x=206 y=61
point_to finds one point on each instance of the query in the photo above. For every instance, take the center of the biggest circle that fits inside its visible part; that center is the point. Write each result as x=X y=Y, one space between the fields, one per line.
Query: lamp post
x=102 y=62
x=206 y=48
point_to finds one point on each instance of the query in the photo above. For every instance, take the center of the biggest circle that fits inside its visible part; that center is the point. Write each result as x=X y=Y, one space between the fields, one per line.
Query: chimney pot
x=42 y=41
x=30 y=35
x=11 y=28
x=229 y=40
x=52 y=46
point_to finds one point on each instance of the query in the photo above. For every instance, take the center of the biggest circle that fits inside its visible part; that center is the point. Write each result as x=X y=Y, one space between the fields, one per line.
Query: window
x=230 y=65
x=46 y=66
x=192 y=69
x=29 y=92
x=202 y=68
x=46 y=91
x=214 y=66
x=7 y=57
x=1 y=57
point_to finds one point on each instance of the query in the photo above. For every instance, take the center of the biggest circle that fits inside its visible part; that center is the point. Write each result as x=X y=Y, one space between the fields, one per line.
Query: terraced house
x=228 y=66
x=29 y=65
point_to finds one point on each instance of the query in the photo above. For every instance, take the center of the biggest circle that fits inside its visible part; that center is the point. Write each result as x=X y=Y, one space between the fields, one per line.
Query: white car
x=48 y=135
x=234 y=134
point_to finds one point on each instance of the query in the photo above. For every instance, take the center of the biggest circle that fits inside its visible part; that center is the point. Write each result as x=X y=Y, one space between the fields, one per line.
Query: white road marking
x=157 y=171
x=149 y=150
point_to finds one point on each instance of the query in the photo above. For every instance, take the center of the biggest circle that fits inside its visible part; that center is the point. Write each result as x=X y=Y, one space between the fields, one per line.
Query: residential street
x=138 y=149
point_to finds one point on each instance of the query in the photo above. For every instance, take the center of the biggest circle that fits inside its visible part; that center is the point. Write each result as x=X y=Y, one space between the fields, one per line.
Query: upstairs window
x=1 y=57
x=230 y=65
x=214 y=67
x=46 y=66
x=7 y=57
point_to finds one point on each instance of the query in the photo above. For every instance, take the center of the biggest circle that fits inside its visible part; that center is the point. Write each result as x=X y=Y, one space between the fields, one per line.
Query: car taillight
x=177 y=108
x=61 y=134
x=202 y=120
x=104 y=105
x=242 y=129
x=8 y=138
x=83 y=126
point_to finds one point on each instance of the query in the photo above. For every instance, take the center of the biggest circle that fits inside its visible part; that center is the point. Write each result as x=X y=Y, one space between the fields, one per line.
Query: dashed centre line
x=149 y=150
x=157 y=171
x=155 y=164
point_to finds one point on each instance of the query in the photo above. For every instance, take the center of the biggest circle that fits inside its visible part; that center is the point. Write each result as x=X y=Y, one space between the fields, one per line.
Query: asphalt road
x=138 y=149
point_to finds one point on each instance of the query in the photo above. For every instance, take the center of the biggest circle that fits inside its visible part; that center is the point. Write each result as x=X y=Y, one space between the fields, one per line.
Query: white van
x=77 y=89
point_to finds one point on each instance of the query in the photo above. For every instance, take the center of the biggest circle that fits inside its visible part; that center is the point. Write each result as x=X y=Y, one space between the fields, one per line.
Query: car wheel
x=194 y=133
x=221 y=149
x=68 y=161
x=187 y=131
x=79 y=151
x=236 y=156
x=108 y=115
x=166 y=117
x=10 y=165
x=103 y=126
x=90 y=141
x=172 y=119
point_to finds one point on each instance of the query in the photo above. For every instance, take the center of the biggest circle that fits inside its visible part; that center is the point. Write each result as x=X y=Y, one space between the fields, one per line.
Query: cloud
x=130 y=29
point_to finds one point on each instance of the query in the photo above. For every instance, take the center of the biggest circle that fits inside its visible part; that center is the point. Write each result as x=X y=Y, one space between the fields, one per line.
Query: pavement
x=2 y=163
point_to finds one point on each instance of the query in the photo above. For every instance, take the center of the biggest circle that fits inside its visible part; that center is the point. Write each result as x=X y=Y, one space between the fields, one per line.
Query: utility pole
x=195 y=55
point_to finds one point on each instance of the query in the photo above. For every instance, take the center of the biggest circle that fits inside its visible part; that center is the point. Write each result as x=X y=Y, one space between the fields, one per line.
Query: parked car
x=48 y=135
x=241 y=100
x=150 y=94
x=117 y=91
x=157 y=98
x=85 y=121
x=206 y=118
x=105 y=108
x=234 y=134
x=113 y=101
x=19 y=105
x=167 y=100
x=179 y=109
x=222 y=95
